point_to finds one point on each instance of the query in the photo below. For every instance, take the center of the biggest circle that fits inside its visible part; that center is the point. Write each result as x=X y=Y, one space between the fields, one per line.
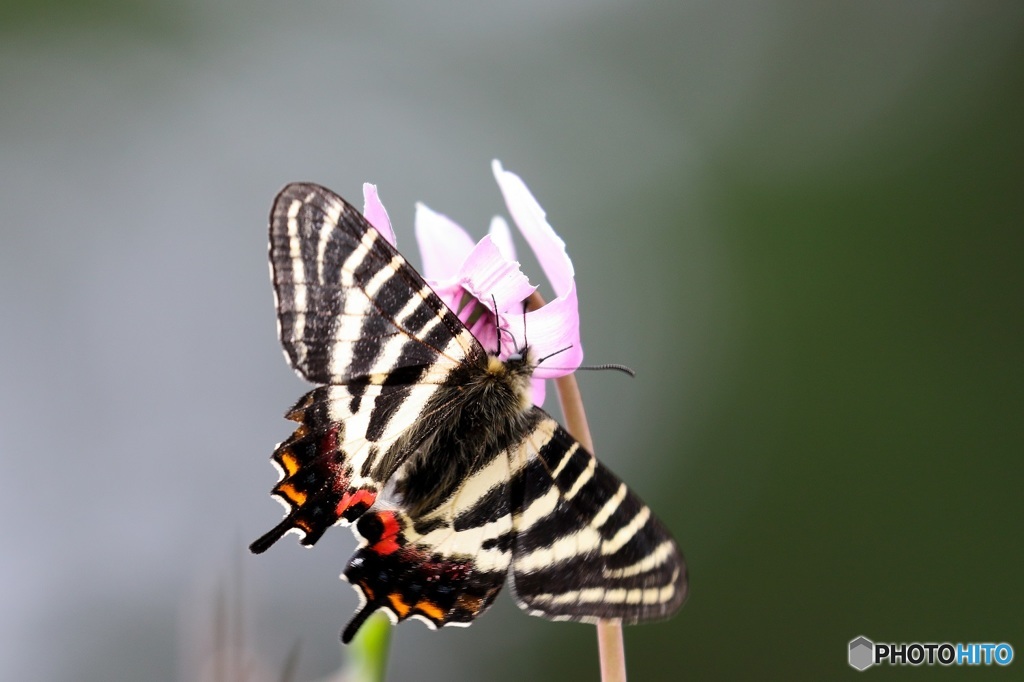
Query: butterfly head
x=514 y=373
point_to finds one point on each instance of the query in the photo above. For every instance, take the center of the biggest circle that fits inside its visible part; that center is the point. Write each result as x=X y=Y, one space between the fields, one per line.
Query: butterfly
x=429 y=444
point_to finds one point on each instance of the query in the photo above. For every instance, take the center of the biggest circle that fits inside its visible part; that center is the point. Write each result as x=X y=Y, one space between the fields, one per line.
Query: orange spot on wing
x=294 y=496
x=430 y=609
x=290 y=463
x=400 y=607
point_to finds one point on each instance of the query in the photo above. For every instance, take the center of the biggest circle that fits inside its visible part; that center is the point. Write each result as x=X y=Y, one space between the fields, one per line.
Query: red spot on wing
x=388 y=541
x=353 y=504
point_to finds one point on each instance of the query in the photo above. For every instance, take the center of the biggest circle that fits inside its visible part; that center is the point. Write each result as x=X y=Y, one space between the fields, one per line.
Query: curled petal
x=443 y=244
x=553 y=333
x=493 y=279
x=530 y=218
x=502 y=237
x=373 y=211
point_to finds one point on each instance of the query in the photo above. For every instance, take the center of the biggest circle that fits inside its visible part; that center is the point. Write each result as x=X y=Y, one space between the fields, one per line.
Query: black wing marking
x=444 y=567
x=586 y=547
x=348 y=304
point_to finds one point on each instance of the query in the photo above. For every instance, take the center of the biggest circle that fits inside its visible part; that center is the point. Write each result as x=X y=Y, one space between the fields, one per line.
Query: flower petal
x=502 y=237
x=486 y=332
x=443 y=244
x=493 y=279
x=373 y=211
x=530 y=218
x=553 y=332
x=451 y=292
x=538 y=389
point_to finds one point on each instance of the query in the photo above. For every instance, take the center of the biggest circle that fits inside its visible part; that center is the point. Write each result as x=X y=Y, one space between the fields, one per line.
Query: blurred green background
x=800 y=222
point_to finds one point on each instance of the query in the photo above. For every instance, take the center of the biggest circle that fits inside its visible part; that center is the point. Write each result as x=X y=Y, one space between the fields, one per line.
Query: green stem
x=368 y=653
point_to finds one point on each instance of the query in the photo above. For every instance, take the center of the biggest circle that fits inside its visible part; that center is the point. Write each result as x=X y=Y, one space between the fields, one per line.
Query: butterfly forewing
x=586 y=547
x=348 y=304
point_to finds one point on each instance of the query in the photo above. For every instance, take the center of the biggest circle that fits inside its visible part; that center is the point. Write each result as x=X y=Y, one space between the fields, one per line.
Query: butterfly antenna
x=497 y=326
x=526 y=342
x=497 y=323
x=551 y=355
x=619 y=368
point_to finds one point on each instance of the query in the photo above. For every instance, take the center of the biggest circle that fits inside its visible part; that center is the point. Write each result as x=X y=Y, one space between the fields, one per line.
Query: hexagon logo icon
x=862 y=653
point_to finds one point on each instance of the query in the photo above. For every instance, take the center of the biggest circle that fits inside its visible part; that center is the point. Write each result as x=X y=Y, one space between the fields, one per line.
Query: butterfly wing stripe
x=582 y=479
x=415 y=316
x=332 y=213
x=487 y=508
x=585 y=546
x=636 y=596
x=559 y=519
x=661 y=554
x=539 y=509
x=536 y=590
x=609 y=507
x=627 y=532
x=484 y=496
x=566 y=458
x=298 y=299
x=383 y=289
x=566 y=547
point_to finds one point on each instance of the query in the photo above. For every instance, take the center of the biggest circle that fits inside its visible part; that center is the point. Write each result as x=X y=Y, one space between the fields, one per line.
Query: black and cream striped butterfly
x=430 y=445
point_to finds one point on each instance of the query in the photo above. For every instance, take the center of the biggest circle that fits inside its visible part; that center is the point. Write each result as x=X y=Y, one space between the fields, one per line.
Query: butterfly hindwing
x=444 y=566
x=350 y=440
x=586 y=547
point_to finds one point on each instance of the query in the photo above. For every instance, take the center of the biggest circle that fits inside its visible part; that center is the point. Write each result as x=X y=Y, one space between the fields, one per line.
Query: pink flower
x=480 y=280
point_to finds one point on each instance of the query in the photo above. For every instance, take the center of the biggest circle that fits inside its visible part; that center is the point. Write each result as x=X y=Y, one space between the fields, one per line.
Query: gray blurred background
x=800 y=223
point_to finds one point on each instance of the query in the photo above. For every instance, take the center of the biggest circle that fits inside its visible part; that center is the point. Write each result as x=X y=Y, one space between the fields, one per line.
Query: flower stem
x=611 y=650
